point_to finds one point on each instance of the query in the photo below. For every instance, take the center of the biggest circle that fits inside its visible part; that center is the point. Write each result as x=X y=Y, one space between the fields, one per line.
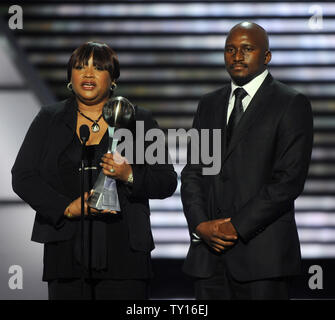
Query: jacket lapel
x=220 y=116
x=65 y=127
x=217 y=117
x=219 y=120
x=222 y=119
x=254 y=110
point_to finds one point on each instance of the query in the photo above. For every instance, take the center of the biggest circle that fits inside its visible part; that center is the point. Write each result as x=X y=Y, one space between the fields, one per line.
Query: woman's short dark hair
x=103 y=57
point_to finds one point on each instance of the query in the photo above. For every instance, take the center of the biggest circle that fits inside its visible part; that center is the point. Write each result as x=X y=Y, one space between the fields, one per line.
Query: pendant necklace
x=95 y=127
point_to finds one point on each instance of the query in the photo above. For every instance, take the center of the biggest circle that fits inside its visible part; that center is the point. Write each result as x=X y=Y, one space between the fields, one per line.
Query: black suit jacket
x=35 y=178
x=263 y=171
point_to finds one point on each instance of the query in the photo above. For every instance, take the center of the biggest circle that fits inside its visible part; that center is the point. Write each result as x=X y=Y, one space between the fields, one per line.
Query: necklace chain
x=95 y=127
x=88 y=118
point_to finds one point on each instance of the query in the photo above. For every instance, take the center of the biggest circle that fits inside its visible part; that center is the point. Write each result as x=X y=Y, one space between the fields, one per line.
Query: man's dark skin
x=246 y=56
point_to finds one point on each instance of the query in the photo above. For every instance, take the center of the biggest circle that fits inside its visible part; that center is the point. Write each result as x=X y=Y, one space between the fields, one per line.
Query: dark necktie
x=236 y=113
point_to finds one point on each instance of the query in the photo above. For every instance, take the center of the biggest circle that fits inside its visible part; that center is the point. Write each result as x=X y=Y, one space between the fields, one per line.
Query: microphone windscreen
x=84 y=132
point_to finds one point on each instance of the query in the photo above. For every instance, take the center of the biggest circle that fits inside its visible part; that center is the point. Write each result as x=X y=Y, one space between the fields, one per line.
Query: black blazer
x=35 y=178
x=262 y=172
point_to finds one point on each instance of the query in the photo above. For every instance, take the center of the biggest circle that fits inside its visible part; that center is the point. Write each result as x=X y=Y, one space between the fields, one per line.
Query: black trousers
x=71 y=289
x=222 y=286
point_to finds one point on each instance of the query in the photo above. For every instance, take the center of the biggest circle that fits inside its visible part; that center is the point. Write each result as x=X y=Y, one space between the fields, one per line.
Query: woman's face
x=90 y=84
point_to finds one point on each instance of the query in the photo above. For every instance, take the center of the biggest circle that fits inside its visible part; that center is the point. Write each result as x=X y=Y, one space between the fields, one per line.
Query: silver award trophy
x=118 y=112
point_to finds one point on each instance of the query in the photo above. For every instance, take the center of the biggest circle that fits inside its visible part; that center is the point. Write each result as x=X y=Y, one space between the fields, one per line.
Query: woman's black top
x=108 y=254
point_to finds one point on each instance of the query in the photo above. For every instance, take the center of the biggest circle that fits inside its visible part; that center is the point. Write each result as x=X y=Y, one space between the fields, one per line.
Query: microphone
x=84 y=133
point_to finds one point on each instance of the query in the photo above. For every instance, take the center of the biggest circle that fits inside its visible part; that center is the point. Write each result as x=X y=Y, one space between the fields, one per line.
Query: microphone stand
x=82 y=216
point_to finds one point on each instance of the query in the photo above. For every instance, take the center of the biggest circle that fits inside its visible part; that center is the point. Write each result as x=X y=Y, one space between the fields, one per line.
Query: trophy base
x=101 y=201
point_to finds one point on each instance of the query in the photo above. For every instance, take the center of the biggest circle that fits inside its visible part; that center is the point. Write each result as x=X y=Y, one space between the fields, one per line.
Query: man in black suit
x=244 y=236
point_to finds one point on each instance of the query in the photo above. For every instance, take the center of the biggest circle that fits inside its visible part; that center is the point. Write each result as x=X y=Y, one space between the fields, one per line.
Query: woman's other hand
x=73 y=210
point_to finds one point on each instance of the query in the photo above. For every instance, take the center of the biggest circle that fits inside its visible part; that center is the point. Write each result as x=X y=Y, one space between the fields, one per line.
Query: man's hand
x=212 y=234
x=228 y=229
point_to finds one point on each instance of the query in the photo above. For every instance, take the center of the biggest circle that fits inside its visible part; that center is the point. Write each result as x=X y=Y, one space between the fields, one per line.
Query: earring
x=69 y=86
x=113 y=86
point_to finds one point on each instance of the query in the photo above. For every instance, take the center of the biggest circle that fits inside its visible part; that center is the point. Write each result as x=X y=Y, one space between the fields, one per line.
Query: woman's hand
x=116 y=166
x=73 y=210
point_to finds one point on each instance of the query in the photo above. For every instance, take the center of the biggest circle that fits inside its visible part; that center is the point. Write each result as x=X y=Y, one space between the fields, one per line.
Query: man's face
x=246 y=54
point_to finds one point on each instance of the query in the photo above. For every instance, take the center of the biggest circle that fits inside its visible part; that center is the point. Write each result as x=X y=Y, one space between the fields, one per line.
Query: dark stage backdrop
x=171 y=53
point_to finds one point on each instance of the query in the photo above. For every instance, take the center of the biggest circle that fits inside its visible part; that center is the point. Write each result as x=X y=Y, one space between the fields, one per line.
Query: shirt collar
x=252 y=86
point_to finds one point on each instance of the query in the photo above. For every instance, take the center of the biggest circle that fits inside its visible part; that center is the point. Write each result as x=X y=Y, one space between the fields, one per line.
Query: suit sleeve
x=292 y=157
x=153 y=181
x=192 y=186
x=26 y=180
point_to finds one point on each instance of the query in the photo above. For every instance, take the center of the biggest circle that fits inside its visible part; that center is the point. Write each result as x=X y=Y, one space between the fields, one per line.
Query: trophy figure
x=118 y=112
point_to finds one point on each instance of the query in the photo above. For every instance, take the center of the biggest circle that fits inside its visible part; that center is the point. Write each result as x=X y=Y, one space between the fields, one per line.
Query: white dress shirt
x=251 y=88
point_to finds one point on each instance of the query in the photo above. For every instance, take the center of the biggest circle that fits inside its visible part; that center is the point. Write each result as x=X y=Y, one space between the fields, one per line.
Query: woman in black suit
x=46 y=176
